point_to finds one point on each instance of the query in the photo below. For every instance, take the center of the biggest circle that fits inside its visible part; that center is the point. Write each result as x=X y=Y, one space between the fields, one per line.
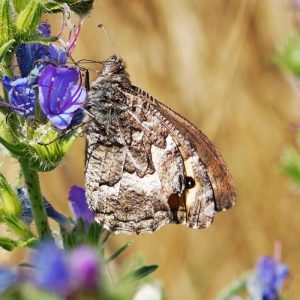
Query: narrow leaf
x=5 y=47
x=140 y=273
x=118 y=252
x=7 y=243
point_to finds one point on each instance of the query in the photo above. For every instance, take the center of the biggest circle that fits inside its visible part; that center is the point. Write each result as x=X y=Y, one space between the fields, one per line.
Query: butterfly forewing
x=147 y=166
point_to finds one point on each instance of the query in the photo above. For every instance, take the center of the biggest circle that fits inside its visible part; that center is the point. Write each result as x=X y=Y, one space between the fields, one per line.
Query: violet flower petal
x=84 y=266
x=28 y=54
x=51 y=270
x=60 y=95
x=267 y=281
x=61 y=121
x=79 y=205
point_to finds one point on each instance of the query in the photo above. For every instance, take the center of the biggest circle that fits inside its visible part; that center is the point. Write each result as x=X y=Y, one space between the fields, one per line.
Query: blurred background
x=210 y=61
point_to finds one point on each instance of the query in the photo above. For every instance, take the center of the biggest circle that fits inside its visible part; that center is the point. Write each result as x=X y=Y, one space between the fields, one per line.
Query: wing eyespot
x=189 y=182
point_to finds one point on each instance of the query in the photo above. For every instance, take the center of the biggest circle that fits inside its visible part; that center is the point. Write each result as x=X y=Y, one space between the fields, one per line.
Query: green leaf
x=29 y=19
x=7 y=243
x=94 y=232
x=5 y=47
x=9 y=201
x=234 y=288
x=35 y=38
x=118 y=252
x=19 y=5
x=81 y=234
x=18 y=226
x=6 y=28
x=141 y=272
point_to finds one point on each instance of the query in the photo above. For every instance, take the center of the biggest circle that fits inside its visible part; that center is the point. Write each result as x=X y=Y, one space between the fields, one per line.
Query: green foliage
x=80 y=7
x=29 y=18
x=81 y=234
x=40 y=145
x=9 y=202
x=5 y=47
x=290 y=163
x=6 y=28
x=289 y=56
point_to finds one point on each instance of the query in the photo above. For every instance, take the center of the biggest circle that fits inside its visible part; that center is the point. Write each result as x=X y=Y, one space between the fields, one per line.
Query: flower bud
x=6 y=28
x=82 y=7
x=41 y=145
x=29 y=19
x=47 y=148
x=9 y=202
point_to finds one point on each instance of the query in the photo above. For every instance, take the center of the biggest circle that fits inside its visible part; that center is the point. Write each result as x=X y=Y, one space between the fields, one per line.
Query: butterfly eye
x=189 y=182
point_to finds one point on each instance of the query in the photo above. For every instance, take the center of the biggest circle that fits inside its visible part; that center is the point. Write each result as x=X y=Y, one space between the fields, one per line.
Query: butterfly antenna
x=108 y=37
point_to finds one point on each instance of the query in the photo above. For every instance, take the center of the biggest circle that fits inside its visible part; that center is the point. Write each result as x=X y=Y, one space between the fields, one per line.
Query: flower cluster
x=40 y=115
x=44 y=68
x=54 y=270
x=268 y=279
x=264 y=282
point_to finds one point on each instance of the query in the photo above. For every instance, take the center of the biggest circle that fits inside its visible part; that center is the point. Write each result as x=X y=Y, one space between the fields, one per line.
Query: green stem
x=36 y=199
x=235 y=287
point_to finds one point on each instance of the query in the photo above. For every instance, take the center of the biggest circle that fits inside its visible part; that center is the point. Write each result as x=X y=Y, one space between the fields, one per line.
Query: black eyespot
x=189 y=182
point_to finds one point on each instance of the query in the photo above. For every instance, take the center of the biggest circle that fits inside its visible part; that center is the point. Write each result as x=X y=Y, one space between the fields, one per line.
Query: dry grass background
x=209 y=60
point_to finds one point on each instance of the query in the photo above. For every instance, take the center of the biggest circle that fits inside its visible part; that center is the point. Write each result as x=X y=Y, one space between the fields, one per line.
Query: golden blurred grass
x=210 y=61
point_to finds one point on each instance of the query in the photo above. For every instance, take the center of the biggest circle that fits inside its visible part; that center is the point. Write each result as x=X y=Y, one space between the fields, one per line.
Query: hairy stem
x=36 y=199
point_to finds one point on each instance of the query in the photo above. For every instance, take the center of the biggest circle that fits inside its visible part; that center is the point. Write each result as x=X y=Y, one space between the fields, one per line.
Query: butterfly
x=147 y=166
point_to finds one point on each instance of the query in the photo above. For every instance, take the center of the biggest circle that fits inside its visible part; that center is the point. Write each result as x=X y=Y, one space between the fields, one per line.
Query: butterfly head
x=113 y=66
x=113 y=71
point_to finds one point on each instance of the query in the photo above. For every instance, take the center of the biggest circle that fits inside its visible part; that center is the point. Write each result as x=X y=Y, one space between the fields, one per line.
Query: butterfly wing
x=192 y=140
x=138 y=159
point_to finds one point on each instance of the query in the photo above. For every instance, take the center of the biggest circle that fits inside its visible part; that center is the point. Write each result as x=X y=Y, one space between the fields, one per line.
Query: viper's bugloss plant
x=41 y=109
x=264 y=282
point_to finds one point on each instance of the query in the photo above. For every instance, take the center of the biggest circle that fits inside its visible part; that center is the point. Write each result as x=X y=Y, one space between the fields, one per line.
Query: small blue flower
x=65 y=273
x=27 y=216
x=268 y=279
x=79 y=204
x=51 y=270
x=29 y=54
x=7 y=279
x=21 y=94
x=60 y=94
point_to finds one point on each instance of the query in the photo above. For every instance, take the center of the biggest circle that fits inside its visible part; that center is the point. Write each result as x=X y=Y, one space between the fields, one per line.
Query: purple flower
x=84 y=265
x=21 y=94
x=60 y=95
x=28 y=54
x=52 y=213
x=268 y=279
x=79 y=204
x=65 y=273
x=7 y=279
x=51 y=270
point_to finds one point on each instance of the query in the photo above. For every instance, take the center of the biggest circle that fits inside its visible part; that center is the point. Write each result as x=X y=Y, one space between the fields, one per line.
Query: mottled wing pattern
x=146 y=166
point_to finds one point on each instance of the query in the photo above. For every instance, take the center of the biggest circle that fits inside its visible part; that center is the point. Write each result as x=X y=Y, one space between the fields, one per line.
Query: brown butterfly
x=146 y=166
